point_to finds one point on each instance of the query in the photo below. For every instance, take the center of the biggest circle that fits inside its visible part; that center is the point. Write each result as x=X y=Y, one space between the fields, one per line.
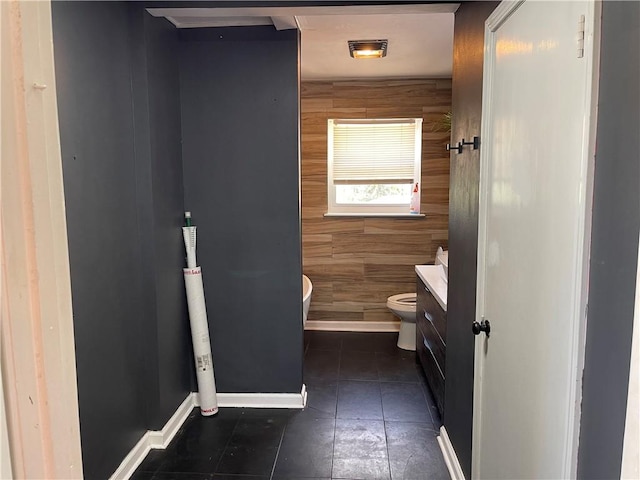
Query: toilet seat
x=403 y=302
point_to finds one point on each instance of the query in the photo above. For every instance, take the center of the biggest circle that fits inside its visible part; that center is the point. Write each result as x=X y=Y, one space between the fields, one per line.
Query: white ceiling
x=420 y=45
x=420 y=36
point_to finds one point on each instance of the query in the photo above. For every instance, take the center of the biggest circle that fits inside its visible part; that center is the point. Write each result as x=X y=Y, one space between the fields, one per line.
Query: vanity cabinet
x=431 y=323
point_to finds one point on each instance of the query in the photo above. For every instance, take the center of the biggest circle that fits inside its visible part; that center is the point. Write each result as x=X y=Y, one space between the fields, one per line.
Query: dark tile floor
x=369 y=415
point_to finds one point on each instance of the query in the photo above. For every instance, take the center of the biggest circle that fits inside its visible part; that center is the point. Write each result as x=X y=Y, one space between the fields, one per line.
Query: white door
x=534 y=195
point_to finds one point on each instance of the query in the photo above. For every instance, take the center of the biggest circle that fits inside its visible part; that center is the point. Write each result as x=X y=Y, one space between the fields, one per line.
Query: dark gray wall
x=96 y=131
x=240 y=111
x=123 y=212
x=463 y=226
x=614 y=245
x=174 y=341
x=157 y=114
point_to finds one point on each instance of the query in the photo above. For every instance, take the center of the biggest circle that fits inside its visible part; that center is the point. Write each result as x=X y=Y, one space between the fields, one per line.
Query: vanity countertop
x=434 y=278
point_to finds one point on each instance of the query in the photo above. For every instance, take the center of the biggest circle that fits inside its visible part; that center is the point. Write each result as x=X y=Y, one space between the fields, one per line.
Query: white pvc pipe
x=199 y=328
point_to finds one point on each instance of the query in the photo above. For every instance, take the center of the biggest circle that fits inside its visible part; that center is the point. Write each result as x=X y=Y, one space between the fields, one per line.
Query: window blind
x=376 y=151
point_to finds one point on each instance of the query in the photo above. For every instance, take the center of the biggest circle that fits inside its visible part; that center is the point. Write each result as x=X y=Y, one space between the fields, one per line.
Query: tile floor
x=369 y=415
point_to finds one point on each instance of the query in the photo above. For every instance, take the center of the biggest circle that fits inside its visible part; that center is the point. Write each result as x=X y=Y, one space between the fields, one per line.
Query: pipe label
x=204 y=362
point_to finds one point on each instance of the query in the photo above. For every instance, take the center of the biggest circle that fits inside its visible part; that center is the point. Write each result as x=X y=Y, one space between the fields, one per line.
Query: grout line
x=382 y=410
x=335 y=426
x=275 y=461
x=338 y=378
x=226 y=445
x=386 y=443
x=335 y=412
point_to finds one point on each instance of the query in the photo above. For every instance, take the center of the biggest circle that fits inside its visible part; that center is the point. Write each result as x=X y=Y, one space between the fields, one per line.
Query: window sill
x=385 y=215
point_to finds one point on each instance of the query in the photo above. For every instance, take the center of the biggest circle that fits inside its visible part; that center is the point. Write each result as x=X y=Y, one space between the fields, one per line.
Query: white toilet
x=403 y=306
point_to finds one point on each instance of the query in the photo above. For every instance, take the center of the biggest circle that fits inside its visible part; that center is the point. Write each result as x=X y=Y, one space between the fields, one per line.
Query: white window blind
x=374 y=151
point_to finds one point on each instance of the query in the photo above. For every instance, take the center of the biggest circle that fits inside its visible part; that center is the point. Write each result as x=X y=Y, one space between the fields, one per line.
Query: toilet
x=403 y=306
x=307 y=288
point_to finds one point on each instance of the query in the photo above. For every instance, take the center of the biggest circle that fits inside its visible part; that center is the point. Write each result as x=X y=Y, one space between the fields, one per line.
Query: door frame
x=37 y=349
x=631 y=439
x=581 y=282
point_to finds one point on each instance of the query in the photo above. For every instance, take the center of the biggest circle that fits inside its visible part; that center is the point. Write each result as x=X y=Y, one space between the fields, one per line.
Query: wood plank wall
x=356 y=263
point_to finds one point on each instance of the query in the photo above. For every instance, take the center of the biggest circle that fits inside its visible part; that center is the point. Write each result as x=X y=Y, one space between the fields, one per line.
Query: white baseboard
x=326 y=325
x=261 y=400
x=154 y=439
x=449 y=454
x=160 y=439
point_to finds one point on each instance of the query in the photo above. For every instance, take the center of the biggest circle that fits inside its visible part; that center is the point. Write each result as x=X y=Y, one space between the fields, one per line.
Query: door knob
x=483 y=326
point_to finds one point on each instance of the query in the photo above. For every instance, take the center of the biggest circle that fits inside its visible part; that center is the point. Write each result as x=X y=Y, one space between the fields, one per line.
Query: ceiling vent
x=368 y=48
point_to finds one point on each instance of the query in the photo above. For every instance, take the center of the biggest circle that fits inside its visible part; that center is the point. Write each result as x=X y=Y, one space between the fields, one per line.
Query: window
x=373 y=165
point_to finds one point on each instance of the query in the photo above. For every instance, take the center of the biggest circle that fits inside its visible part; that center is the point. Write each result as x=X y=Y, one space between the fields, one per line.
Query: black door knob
x=483 y=326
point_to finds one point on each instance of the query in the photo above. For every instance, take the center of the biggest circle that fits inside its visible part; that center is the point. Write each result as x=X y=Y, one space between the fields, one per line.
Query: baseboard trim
x=154 y=439
x=449 y=454
x=261 y=400
x=160 y=439
x=325 y=325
